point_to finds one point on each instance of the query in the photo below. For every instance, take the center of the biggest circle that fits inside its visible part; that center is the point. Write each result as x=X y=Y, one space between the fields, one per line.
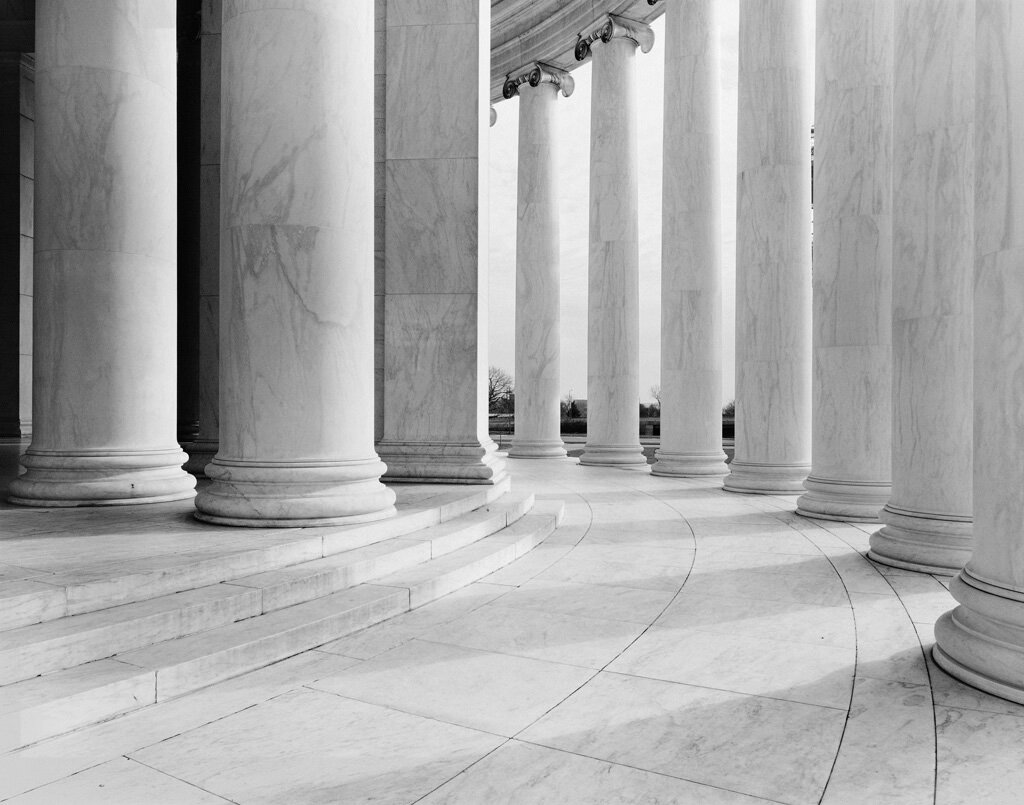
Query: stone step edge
x=53 y=601
x=17 y=662
x=374 y=604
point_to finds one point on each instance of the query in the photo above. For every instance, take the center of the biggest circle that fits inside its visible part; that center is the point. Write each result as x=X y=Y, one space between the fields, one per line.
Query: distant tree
x=656 y=393
x=499 y=388
x=569 y=408
x=729 y=409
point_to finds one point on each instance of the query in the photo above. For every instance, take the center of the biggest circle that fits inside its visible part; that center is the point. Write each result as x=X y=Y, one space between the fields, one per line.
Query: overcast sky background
x=574 y=122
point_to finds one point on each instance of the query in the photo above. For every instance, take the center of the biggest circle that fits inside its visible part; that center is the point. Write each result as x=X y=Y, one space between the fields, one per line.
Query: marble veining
x=104 y=413
x=538 y=367
x=691 y=303
x=296 y=274
x=852 y=282
x=613 y=300
x=928 y=518
x=773 y=249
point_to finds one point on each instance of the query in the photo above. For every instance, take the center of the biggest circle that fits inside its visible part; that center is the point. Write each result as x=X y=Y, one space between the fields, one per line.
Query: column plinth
x=105 y=335
x=691 y=262
x=773 y=249
x=296 y=274
x=928 y=518
x=537 y=414
x=981 y=642
x=613 y=320
x=923 y=541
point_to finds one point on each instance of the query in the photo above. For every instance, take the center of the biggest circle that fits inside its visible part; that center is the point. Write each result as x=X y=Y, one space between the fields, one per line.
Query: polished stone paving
x=670 y=643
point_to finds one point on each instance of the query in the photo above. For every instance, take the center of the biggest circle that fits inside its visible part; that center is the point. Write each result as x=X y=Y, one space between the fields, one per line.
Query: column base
x=928 y=543
x=981 y=642
x=101 y=478
x=613 y=455
x=537 y=448
x=292 y=494
x=709 y=463
x=766 y=479
x=200 y=453
x=443 y=462
x=851 y=501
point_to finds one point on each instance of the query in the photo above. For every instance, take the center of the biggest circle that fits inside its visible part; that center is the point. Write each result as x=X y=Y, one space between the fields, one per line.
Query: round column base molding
x=766 y=479
x=927 y=543
x=613 y=455
x=981 y=642
x=702 y=464
x=292 y=494
x=200 y=453
x=443 y=462
x=101 y=478
x=850 y=501
x=537 y=448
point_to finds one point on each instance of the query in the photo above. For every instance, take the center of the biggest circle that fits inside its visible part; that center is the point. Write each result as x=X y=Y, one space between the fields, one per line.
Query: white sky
x=574 y=172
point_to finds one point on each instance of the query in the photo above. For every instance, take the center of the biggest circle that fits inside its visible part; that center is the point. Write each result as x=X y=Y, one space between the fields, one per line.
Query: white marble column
x=613 y=317
x=105 y=250
x=296 y=281
x=982 y=640
x=435 y=249
x=851 y=438
x=538 y=416
x=691 y=247
x=773 y=249
x=928 y=518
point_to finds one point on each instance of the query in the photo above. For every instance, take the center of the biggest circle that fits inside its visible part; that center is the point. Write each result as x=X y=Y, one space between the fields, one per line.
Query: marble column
x=691 y=247
x=105 y=250
x=613 y=306
x=928 y=518
x=982 y=640
x=204 y=447
x=773 y=249
x=538 y=367
x=296 y=280
x=851 y=433
x=435 y=283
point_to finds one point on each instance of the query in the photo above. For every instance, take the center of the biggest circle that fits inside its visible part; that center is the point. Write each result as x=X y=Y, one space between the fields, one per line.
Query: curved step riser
x=46 y=597
x=46 y=706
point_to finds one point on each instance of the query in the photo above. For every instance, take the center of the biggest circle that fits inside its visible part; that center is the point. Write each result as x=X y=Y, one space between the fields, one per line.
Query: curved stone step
x=49 y=596
x=41 y=648
x=45 y=706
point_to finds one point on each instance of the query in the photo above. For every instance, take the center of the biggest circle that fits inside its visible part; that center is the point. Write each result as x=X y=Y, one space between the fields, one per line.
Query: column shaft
x=105 y=253
x=435 y=231
x=928 y=518
x=691 y=247
x=613 y=303
x=852 y=286
x=982 y=640
x=538 y=417
x=296 y=281
x=773 y=249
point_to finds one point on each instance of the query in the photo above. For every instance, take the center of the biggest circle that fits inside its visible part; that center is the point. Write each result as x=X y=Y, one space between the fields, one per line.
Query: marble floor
x=670 y=643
